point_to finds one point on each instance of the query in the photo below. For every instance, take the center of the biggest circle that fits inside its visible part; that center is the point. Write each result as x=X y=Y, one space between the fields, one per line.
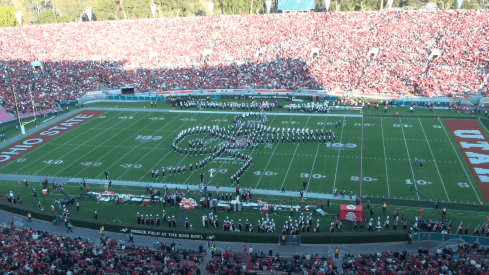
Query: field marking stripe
x=293 y=156
x=317 y=150
x=53 y=140
x=385 y=158
x=252 y=150
x=79 y=146
x=271 y=156
x=458 y=157
x=178 y=164
x=409 y=158
x=338 y=158
x=149 y=151
x=436 y=165
x=98 y=147
x=162 y=178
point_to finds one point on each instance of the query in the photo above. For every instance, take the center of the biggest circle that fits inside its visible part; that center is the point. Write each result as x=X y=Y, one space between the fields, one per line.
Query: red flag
x=120 y=5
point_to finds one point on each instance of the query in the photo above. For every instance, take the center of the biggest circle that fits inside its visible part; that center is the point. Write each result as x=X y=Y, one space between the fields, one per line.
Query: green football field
x=132 y=144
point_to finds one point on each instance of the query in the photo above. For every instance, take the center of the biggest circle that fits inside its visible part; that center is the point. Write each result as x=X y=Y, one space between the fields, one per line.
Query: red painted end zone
x=472 y=142
x=33 y=141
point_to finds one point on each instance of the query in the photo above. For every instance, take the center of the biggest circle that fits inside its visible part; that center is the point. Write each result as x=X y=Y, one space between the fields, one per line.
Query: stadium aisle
x=288 y=250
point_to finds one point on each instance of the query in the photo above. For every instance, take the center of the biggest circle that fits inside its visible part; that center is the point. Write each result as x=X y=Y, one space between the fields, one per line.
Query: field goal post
x=22 y=124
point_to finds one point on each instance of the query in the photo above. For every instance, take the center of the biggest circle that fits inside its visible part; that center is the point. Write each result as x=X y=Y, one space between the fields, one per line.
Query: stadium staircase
x=4 y=115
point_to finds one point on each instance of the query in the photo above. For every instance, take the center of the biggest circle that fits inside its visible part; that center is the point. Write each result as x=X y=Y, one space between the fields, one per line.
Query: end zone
x=33 y=141
x=472 y=142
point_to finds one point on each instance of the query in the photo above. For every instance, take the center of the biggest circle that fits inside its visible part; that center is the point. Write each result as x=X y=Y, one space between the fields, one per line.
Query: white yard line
x=385 y=159
x=96 y=147
x=434 y=160
x=271 y=156
x=317 y=150
x=77 y=147
x=225 y=162
x=338 y=159
x=409 y=158
x=135 y=147
x=461 y=163
x=157 y=164
x=293 y=156
x=53 y=140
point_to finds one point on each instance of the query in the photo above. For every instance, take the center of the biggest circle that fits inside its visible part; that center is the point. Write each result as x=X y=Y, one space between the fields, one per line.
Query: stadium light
x=211 y=7
x=18 y=15
x=55 y=17
x=153 y=10
x=88 y=10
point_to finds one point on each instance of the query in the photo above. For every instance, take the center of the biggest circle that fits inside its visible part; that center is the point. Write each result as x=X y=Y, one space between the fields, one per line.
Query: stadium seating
x=467 y=259
x=272 y=51
x=36 y=252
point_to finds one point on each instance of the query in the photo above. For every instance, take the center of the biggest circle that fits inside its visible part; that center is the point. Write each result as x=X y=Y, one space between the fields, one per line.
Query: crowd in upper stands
x=272 y=52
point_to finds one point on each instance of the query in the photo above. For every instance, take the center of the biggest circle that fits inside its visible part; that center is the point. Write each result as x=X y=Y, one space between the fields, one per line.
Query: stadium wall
x=217 y=235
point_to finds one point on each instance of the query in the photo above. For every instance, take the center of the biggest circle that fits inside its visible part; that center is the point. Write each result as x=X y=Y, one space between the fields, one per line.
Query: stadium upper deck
x=404 y=41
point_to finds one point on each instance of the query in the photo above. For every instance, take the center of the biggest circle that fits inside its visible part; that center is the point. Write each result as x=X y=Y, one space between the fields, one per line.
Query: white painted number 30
x=463 y=184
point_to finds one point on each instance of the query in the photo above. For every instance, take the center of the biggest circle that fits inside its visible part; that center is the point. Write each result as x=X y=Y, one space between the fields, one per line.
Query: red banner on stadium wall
x=33 y=141
x=473 y=143
x=350 y=212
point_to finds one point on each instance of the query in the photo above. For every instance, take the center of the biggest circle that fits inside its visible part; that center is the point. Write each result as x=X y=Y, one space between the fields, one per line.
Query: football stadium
x=308 y=137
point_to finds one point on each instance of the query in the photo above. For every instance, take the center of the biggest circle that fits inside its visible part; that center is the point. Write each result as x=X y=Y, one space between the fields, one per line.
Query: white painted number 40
x=53 y=161
x=130 y=165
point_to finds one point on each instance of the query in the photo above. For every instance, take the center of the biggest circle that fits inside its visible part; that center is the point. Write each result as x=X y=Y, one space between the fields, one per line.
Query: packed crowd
x=464 y=259
x=252 y=261
x=35 y=252
x=274 y=51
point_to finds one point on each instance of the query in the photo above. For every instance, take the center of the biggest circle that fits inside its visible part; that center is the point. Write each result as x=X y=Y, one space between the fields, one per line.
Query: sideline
x=148 y=241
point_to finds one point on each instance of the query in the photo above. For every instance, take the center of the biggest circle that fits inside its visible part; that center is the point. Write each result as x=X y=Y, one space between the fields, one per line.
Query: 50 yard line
x=385 y=159
x=265 y=169
x=434 y=160
x=292 y=160
x=317 y=150
x=409 y=158
x=338 y=160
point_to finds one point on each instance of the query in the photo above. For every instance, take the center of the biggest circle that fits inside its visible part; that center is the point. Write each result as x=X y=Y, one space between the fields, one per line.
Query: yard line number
x=404 y=125
x=125 y=117
x=463 y=184
x=157 y=118
x=149 y=137
x=315 y=176
x=213 y=170
x=289 y=122
x=418 y=182
x=53 y=161
x=267 y=173
x=355 y=178
x=365 y=124
x=131 y=165
x=91 y=163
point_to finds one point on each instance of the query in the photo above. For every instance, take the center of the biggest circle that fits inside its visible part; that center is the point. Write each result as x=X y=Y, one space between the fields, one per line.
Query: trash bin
x=90 y=195
x=200 y=206
x=55 y=222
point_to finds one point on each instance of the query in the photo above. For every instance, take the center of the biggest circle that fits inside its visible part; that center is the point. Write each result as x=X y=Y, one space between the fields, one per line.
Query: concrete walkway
x=76 y=181
x=287 y=250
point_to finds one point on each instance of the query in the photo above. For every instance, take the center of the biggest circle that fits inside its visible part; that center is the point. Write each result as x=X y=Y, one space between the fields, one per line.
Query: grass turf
x=110 y=142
